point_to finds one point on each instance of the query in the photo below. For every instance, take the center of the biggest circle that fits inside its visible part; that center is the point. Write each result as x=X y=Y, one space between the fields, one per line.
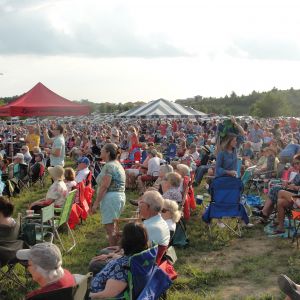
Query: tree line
x=272 y=103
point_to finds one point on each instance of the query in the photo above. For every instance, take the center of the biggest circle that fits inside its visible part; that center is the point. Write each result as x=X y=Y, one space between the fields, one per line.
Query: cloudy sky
x=143 y=50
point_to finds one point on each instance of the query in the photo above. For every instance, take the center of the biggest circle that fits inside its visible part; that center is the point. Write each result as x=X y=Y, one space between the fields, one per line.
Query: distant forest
x=265 y=104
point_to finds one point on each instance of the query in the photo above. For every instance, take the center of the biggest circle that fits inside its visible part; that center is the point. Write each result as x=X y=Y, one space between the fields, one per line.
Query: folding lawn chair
x=9 y=245
x=171 y=152
x=180 y=237
x=225 y=203
x=145 y=279
x=43 y=223
x=63 y=219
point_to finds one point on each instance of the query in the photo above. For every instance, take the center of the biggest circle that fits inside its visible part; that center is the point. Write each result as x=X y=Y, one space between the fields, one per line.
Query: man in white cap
x=45 y=267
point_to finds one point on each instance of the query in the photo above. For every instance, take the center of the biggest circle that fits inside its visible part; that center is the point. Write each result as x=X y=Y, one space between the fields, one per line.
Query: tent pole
x=12 y=139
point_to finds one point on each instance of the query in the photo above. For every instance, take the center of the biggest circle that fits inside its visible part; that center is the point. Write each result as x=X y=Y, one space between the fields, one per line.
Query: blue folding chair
x=171 y=152
x=147 y=280
x=226 y=192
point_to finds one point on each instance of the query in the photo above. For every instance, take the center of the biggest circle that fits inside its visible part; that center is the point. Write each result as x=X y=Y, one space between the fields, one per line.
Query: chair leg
x=72 y=238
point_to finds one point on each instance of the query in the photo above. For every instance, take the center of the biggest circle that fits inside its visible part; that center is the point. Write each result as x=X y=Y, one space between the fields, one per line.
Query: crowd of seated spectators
x=164 y=186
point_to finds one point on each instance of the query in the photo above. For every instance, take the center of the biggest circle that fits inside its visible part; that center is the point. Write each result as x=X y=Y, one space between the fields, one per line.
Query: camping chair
x=225 y=203
x=63 y=219
x=43 y=223
x=171 y=152
x=23 y=179
x=145 y=279
x=8 y=258
x=180 y=237
x=40 y=178
x=78 y=292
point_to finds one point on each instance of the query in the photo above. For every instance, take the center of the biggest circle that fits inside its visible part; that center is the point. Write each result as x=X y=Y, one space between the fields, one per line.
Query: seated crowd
x=140 y=157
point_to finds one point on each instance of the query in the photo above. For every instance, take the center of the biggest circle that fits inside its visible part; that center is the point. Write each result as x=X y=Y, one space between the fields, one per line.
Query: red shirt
x=66 y=281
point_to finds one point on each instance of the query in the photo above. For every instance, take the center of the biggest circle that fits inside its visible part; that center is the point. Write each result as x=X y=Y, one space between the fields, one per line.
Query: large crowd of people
x=163 y=160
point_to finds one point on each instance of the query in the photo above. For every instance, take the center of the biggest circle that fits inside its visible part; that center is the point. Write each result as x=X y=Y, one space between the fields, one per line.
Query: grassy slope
x=222 y=267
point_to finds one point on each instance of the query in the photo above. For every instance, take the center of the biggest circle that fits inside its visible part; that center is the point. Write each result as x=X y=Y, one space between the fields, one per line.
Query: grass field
x=222 y=267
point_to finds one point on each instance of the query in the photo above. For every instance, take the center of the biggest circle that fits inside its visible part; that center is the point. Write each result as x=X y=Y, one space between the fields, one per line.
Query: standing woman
x=133 y=138
x=226 y=162
x=111 y=190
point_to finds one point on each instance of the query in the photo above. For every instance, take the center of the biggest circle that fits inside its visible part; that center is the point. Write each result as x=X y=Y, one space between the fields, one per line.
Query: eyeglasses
x=164 y=210
x=23 y=149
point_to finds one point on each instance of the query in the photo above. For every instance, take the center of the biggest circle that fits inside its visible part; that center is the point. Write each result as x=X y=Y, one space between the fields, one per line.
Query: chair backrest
x=226 y=190
x=146 y=280
x=66 y=210
x=47 y=213
x=24 y=170
x=60 y=294
x=185 y=186
x=171 y=152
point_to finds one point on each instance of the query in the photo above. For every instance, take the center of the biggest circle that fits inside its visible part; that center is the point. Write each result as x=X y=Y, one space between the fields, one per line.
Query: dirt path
x=253 y=264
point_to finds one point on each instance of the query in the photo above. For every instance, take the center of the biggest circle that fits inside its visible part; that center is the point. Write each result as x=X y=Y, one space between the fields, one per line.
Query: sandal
x=263 y=220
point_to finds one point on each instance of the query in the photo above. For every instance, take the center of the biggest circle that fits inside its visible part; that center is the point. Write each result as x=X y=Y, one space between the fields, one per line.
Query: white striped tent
x=159 y=109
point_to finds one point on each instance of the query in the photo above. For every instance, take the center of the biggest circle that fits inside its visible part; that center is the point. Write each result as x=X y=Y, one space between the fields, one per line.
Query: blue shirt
x=290 y=150
x=116 y=269
x=226 y=161
x=256 y=135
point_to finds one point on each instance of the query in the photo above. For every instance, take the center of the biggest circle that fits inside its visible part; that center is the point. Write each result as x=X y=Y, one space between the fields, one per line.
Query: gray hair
x=184 y=170
x=154 y=199
x=172 y=207
x=166 y=169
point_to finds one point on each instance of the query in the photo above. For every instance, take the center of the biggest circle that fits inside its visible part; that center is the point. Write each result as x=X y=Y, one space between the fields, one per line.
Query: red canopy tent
x=40 y=101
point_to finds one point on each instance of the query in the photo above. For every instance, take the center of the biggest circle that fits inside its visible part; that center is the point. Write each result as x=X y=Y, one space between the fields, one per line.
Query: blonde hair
x=174 y=179
x=172 y=207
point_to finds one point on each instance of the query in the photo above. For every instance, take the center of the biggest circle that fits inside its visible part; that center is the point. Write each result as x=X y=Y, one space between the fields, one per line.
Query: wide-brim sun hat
x=57 y=172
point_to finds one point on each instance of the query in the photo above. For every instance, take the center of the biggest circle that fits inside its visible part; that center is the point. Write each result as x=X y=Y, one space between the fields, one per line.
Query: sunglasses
x=164 y=210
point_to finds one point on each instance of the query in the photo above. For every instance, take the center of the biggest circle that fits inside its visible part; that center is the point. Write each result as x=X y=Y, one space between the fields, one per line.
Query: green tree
x=270 y=105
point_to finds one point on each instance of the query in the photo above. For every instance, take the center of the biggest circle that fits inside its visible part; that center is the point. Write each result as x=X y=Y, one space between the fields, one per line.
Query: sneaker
x=249 y=225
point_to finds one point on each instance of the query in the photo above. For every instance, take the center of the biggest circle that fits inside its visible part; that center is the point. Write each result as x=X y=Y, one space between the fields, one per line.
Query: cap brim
x=23 y=254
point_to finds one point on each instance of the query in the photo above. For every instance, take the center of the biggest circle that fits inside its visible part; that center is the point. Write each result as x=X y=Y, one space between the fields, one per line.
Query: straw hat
x=57 y=172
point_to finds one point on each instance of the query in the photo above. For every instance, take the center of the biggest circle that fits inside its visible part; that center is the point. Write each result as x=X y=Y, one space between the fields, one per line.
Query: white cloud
x=130 y=50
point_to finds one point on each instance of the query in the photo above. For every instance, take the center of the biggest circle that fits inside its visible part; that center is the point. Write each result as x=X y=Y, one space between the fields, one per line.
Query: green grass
x=222 y=267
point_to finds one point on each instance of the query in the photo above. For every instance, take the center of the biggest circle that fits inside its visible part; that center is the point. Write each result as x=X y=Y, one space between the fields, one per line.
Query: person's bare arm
x=48 y=140
x=112 y=288
x=238 y=126
x=105 y=183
